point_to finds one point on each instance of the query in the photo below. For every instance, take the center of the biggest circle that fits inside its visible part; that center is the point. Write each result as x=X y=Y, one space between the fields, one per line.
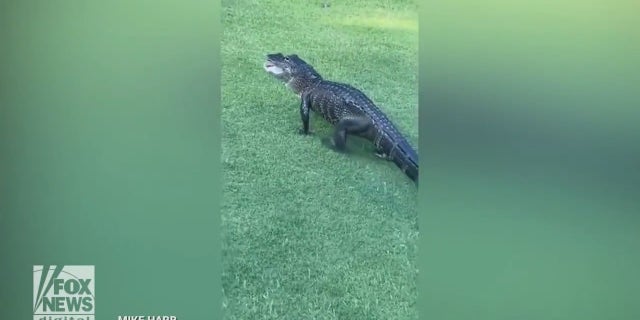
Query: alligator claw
x=329 y=143
x=381 y=155
x=301 y=131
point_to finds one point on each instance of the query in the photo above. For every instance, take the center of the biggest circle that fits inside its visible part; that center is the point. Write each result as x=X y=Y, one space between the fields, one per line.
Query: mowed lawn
x=310 y=233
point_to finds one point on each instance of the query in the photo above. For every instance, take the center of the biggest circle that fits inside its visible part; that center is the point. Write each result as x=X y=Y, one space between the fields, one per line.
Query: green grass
x=310 y=233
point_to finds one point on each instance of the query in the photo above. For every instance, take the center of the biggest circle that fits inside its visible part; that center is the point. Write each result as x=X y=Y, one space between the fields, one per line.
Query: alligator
x=348 y=109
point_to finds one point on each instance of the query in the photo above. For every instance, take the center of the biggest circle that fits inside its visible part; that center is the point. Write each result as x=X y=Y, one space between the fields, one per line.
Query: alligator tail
x=406 y=158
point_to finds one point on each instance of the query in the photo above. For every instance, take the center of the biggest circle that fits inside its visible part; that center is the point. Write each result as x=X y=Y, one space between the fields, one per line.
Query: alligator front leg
x=305 y=107
x=350 y=125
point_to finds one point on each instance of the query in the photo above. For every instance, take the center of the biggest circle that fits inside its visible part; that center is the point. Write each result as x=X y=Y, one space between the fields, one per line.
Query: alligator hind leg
x=351 y=125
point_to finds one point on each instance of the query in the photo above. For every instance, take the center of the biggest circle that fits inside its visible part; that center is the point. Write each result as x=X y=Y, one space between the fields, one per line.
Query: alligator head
x=296 y=73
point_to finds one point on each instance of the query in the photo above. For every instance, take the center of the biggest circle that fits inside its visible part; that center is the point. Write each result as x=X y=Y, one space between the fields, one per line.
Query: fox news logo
x=63 y=292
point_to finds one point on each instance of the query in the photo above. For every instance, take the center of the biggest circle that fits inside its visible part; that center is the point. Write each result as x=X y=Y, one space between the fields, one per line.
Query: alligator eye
x=286 y=59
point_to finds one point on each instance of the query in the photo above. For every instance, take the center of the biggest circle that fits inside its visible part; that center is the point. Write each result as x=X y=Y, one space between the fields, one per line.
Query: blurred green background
x=529 y=122
x=109 y=146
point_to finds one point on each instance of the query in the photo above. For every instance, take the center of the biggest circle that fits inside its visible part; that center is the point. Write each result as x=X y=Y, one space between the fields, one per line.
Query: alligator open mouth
x=272 y=68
